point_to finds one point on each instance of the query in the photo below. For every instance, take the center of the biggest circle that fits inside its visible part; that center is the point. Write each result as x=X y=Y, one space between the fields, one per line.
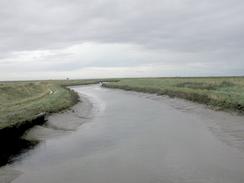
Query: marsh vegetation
x=218 y=92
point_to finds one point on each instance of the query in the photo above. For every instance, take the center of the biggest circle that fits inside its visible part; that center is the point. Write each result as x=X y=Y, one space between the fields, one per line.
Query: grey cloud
x=207 y=31
x=180 y=24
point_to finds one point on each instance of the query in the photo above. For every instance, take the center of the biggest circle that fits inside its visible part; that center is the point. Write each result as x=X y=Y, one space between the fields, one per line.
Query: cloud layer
x=106 y=38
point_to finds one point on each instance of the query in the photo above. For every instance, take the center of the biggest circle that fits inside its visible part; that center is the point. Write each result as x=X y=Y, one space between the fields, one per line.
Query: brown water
x=126 y=137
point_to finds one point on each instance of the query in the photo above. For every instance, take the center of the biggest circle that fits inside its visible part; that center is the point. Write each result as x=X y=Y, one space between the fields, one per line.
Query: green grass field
x=22 y=101
x=218 y=92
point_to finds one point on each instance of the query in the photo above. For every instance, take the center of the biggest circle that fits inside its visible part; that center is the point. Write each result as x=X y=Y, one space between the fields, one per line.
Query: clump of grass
x=218 y=92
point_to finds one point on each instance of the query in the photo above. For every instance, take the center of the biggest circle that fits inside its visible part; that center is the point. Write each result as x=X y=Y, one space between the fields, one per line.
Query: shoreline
x=193 y=97
x=16 y=140
x=11 y=141
x=57 y=97
x=16 y=130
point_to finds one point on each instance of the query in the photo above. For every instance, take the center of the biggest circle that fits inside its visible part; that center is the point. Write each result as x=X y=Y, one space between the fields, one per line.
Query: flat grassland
x=225 y=93
x=22 y=101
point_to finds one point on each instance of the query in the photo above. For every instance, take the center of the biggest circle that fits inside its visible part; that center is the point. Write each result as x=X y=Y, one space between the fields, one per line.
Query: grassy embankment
x=20 y=106
x=21 y=102
x=218 y=92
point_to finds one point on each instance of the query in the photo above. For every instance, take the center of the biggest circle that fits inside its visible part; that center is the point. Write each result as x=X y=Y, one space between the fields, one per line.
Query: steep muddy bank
x=11 y=142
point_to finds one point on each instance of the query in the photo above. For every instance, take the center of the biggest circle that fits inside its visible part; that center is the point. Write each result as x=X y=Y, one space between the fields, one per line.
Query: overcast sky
x=54 y=39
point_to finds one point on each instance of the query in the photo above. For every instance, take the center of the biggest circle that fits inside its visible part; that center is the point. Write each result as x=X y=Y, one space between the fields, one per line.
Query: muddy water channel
x=115 y=136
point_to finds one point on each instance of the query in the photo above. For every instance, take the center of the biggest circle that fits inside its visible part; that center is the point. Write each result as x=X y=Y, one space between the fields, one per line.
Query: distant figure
x=67 y=78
